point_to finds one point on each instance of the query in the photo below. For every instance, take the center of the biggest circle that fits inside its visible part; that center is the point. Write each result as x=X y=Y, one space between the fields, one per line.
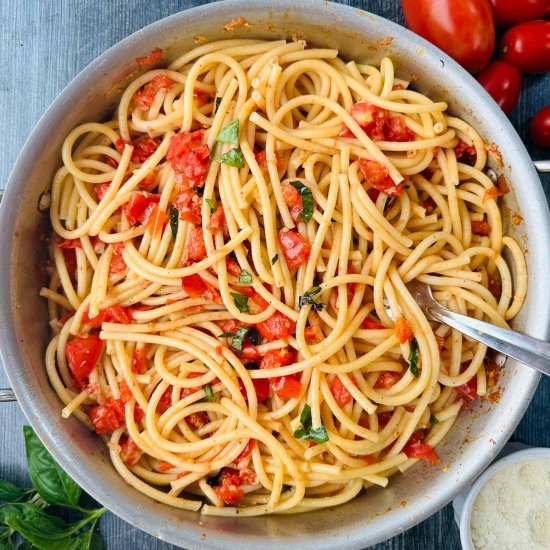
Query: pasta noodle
x=229 y=269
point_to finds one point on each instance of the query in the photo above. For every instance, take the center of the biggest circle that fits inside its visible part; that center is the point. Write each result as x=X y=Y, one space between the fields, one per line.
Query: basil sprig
x=433 y=419
x=174 y=216
x=29 y=518
x=237 y=338
x=245 y=278
x=209 y=393
x=241 y=301
x=308 y=298
x=211 y=204
x=306 y=431
x=233 y=157
x=307 y=200
x=229 y=133
x=413 y=358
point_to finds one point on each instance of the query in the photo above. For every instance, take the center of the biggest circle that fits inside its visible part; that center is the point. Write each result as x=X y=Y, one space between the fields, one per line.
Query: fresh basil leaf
x=317 y=306
x=226 y=335
x=307 y=200
x=211 y=205
x=43 y=533
x=241 y=301
x=245 y=278
x=10 y=492
x=49 y=479
x=433 y=419
x=305 y=416
x=28 y=511
x=86 y=540
x=212 y=153
x=308 y=297
x=413 y=358
x=254 y=336
x=274 y=259
x=214 y=480
x=209 y=393
x=286 y=488
x=7 y=542
x=174 y=220
x=307 y=432
x=233 y=157
x=26 y=545
x=237 y=340
x=229 y=133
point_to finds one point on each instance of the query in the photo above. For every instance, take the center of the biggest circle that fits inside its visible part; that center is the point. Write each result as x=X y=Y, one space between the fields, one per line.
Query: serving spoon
x=526 y=349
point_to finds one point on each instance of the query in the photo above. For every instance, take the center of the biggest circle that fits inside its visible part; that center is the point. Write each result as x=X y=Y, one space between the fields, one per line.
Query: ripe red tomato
x=83 y=355
x=464 y=29
x=510 y=12
x=278 y=326
x=540 y=127
x=340 y=392
x=503 y=82
x=286 y=387
x=376 y=174
x=527 y=46
x=295 y=248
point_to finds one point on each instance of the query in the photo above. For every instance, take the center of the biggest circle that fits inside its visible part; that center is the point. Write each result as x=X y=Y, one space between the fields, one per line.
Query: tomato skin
x=261 y=159
x=387 y=379
x=414 y=448
x=193 y=285
x=217 y=221
x=481 y=228
x=465 y=153
x=464 y=29
x=340 y=393
x=510 y=12
x=229 y=490
x=468 y=391
x=189 y=157
x=527 y=46
x=137 y=208
x=194 y=247
x=295 y=248
x=108 y=417
x=145 y=97
x=152 y=57
x=247 y=451
x=113 y=314
x=83 y=355
x=278 y=326
x=539 y=127
x=261 y=385
x=294 y=200
x=503 y=83
x=372 y=324
x=144 y=148
x=403 y=329
x=130 y=453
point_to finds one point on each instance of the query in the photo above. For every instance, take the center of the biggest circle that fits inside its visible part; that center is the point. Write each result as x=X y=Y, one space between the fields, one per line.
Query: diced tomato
x=286 y=387
x=465 y=153
x=229 y=490
x=188 y=157
x=384 y=418
x=368 y=459
x=377 y=175
x=387 y=379
x=144 y=148
x=217 y=221
x=108 y=417
x=139 y=359
x=261 y=159
x=101 y=190
x=201 y=97
x=276 y=358
x=145 y=97
x=429 y=205
x=193 y=285
x=164 y=466
x=69 y=257
x=259 y=300
x=494 y=286
x=481 y=228
x=397 y=130
x=278 y=326
x=165 y=401
x=373 y=194
x=414 y=448
x=118 y=265
x=189 y=205
x=294 y=200
x=231 y=325
x=295 y=248
x=120 y=144
x=195 y=249
x=113 y=314
x=69 y=243
x=249 y=353
x=83 y=355
x=125 y=392
x=130 y=453
x=136 y=209
x=155 y=219
x=372 y=119
x=110 y=161
x=233 y=267
x=197 y=420
x=497 y=190
x=186 y=392
x=468 y=391
x=340 y=392
x=403 y=329
x=261 y=385
x=311 y=335
x=247 y=451
x=440 y=342
x=152 y=57
x=372 y=324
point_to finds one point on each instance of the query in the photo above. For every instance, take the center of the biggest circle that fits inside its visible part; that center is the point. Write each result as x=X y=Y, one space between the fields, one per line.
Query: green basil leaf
x=317 y=306
x=217 y=103
x=174 y=220
x=305 y=416
x=237 y=340
x=27 y=511
x=49 y=479
x=433 y=419
x=307 y=200
x=87 y=540
x=211 y=205
x=286 y=488
x=10 y=492
x=245 y=278
x=308 y=297
x=229 y=133
x=233 y=157
x=413 y=358
x=209 y=393
x=26 y=545
x=241 y=301
x=7 y=543
x=307 y=432
x=43 y=533
x=226 y=335
x=212 y=153
x=274 y=259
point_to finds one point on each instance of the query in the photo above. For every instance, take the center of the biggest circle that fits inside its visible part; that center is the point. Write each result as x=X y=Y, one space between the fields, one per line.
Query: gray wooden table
x=43 y=45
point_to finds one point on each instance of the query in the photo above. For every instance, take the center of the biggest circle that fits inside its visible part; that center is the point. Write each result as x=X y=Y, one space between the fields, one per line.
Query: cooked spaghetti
x=228 y=277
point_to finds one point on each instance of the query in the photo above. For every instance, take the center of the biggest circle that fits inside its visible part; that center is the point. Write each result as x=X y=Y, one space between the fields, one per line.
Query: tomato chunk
x=195 y=249
x=481 y=228
x=108 y=417
x=286 y=387
x=278 y=326
x=152 y=57
x=69 y=243
x=294 y=200
x=387 y=379
x=83 y=355
x=189 y=157
x=277 y=358
x=130 y=453
x=189 y=205
x=468 y=391
x=377 y=175
x=139 y=359
x=295 y=248
x=261 y=385
x=465 y=153
x=137 y=208
x=340 y=392
x=154 y=220
x=113 y=314
x=194 y=285
x=145 y=97
x=247 y=451
x=403 y=329
x=229 y=490
x=414 y=448
x=217 y=221
x=372 y=324
x=261 y=159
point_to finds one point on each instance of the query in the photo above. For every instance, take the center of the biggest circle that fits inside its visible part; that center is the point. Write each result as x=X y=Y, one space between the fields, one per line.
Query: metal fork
x=526 y=349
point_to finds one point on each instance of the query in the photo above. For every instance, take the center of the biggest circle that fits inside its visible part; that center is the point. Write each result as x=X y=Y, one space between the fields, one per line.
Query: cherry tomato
x=145 y=97
x=340 y=392
x=295 y=248
x=188 y=157
x=130 y=453
x=527 y=46
x=247 y=451
x=108 y=417
x=276 y=358
x=510 y=12
x=387 y=379
x=83 y=355
x=503 y=82
x=195 y=249
x=137 y=208
x=286 y=387
x=403 y=329
x=540 y=127
x=376 y=174
x=113 y=314
x=464 y=29
x=217 y=221
x=294 y=200
x=229 y=490
x=189 y=205
x=278 y=326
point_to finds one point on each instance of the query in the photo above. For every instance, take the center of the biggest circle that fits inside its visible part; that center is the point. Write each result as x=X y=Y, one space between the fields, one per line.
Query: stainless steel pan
x=380 y=513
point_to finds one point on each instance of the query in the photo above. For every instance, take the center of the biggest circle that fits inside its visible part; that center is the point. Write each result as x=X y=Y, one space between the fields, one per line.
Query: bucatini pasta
x=229 y=261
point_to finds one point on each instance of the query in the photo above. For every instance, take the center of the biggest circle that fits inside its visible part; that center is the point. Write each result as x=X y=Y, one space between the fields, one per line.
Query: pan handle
x=7 y=395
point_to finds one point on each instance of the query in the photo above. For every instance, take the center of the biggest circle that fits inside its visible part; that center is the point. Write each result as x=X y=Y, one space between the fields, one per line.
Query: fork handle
x=526 y=349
